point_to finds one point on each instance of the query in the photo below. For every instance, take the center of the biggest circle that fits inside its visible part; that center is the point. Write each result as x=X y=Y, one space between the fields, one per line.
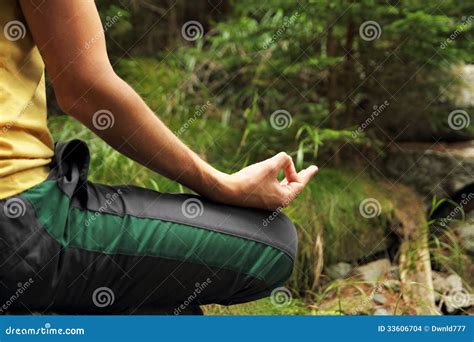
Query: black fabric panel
x=71 y=167
x=64 y=279
x=278 y=232
x=27 y=251
x=143 y=311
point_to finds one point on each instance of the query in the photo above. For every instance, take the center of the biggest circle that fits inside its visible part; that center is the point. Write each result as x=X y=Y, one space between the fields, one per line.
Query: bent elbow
x=76 y=92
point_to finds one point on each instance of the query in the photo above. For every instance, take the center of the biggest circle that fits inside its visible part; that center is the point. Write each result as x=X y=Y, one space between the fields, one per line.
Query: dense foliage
x=331 y=81
x=342 y=69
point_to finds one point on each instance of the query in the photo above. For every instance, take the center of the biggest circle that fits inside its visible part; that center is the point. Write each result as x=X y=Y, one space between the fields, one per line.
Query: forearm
x=86 y=87
x=139 y=134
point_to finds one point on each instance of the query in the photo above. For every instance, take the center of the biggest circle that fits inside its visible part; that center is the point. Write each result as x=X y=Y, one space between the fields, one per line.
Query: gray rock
x=440 y=284
x=454 y=282
x=450 y=290
x=381 y=312
x=438 y=170
x=465 y=232
x=379 y=298
x=339 y=271
x=373 y=270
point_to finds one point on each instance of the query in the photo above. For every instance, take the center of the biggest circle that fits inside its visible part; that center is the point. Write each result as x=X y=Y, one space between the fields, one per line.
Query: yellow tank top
x=26 y=146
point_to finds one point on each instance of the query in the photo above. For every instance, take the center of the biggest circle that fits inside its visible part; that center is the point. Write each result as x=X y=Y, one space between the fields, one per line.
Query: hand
x=257 y=185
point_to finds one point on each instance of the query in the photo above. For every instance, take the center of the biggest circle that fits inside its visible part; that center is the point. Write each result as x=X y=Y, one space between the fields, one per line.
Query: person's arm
x=70 y=38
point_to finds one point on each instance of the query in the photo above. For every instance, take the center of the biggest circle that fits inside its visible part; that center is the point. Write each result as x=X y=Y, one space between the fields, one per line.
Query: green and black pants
x=72 y=246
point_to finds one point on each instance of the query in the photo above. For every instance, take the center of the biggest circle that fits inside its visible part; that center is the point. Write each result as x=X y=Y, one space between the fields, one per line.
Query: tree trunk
x=349 y=70
x=415 y=265
x=331 y=48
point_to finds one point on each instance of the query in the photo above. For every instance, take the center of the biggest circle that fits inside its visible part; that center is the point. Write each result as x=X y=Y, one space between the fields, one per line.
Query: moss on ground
x=259 y=307
x=330 y=204
x=329 y=207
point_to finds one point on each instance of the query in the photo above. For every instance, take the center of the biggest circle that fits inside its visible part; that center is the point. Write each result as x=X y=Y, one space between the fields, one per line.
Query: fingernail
x=313 y=168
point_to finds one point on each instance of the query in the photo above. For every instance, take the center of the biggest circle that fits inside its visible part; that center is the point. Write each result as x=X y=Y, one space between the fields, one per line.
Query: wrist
x=218 y=185
x=211 y=182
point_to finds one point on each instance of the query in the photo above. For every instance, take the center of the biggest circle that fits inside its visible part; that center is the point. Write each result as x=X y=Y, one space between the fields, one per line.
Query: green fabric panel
x=51 y=207
x=130 y=235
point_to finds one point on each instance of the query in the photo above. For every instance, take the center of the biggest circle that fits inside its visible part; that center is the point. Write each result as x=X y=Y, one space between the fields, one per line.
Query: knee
x=291 y=236
x=272 y=262
x=284 y=254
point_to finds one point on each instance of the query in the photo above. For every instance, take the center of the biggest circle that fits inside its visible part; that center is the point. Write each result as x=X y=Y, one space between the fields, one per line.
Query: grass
x=448 y=255
x=328 y=208
x=259 y=307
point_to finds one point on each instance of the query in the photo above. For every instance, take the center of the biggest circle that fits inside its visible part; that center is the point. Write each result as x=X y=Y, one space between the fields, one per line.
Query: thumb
x=306 y=174
x=304 y=177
